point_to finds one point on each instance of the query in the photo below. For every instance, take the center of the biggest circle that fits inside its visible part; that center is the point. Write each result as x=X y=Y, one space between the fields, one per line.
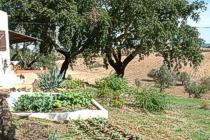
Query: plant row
x=40 y=102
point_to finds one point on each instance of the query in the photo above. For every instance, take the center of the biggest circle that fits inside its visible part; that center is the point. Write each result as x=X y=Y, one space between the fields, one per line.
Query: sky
x=203 y=22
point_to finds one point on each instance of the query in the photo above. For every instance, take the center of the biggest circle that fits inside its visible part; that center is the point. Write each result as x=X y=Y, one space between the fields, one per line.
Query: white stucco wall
x=4 y=27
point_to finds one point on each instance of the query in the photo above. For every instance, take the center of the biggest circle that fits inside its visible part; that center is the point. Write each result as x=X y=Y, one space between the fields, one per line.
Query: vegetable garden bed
x=55 y=107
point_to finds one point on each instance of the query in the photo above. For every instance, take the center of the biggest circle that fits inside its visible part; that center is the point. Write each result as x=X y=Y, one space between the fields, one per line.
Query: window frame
x=3 y=45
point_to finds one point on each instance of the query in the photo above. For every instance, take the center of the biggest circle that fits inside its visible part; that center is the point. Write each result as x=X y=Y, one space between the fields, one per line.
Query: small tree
x=164 y=78
x=183 y=77
x=196 y=90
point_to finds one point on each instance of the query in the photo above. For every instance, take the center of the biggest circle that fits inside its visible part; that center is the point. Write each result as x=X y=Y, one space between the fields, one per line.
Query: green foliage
x=35 y=102
x=73 y=84
x=112 y=28
x=164 y=77
x=206 y=81
x=151 y=100
x=50 y=81
x=75 y=99
x=183 y=77
x=100 y=129
x=111 y=84
x=195 y=89
x=47 y=102
x=53 y=136
x=158 y=26
x=31 y=58
x=113 y=88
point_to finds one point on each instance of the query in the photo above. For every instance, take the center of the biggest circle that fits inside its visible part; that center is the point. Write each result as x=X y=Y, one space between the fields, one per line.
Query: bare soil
x=136 y=70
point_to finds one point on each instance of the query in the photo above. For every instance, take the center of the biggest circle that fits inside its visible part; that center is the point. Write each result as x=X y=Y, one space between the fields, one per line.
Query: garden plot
x=56 y=107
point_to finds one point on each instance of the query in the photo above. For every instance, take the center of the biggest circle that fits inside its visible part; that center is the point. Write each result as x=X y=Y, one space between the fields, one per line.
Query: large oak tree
x=140 y=27
x=118 y=29
x=67 y=26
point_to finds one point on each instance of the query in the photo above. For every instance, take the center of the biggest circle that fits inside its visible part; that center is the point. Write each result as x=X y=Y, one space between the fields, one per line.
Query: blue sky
x=203 y=22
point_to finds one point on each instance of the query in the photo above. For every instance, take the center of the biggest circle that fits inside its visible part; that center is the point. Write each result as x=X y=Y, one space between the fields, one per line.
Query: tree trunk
x=119 y=69
x=65 y=66
x=118 y=65
x=30 y=64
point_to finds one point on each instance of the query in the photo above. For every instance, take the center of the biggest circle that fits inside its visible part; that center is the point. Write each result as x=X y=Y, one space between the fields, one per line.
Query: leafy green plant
x=183 y=77
x=101 y=129
x=35 y=102
x=75 y=99
x=73 y=84
x=151 y=100
x=110 y=84
x=113 y=88
x=195 y=89
x=53 y=136
x=164 y=77
x=206 y=81
x=47 y=102
x=50 y=81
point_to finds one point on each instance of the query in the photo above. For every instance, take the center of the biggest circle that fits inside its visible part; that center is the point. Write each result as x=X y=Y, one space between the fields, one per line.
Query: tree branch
x=130 y=57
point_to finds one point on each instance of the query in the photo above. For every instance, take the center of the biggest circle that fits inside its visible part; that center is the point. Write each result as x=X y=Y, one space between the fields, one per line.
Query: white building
x=7 y=76
x=4 y=41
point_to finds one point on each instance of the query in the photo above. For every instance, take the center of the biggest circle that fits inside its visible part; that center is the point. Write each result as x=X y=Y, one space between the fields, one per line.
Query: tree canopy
x=70 y=27
x=139 y=27
x=120 y=29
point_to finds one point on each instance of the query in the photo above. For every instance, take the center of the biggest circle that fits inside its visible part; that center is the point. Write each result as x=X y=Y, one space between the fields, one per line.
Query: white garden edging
x=58 y=116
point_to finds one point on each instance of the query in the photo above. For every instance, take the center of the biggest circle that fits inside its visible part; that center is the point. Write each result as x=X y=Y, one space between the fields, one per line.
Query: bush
x=113 y=87
x=151 y=100
x=73 y=84
x=47 y=102
x=195 y=89
x=50 y=81
x=111 y=84
x=152 y=73
x=206 y=81
x=163 y=77
x=183 y=77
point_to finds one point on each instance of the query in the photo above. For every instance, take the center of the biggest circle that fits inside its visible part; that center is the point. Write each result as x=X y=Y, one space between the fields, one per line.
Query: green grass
x=184 y=120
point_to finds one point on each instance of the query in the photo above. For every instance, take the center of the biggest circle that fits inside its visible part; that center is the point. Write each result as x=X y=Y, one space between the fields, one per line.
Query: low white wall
x=57 y=116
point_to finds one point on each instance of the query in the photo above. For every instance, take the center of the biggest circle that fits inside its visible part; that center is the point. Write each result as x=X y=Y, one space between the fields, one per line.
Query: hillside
x=136 y=70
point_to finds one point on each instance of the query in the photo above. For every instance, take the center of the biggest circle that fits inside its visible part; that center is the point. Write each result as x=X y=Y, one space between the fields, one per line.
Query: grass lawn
x=184 y=120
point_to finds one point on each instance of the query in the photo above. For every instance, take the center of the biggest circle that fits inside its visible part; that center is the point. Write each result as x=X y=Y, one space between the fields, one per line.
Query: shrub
x=164 y=78
x=195 y=89
x=113 y=88
x=50 y=81
x=73 y=84
x=47 y=102
x=183 y=77
x=151 y=100
x=152 y=73
x=206 y=81
x=111 y=84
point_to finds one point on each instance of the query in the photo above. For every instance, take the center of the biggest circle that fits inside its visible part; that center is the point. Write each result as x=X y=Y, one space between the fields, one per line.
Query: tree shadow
x=147 y=80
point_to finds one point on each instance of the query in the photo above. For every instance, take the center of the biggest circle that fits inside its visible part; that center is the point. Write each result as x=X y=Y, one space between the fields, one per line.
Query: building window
x=2 y=41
